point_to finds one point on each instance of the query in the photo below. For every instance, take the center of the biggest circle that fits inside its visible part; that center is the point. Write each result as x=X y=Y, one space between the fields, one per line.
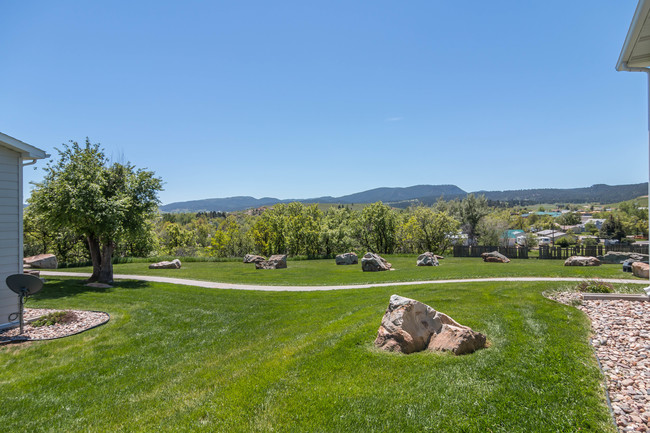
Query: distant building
x=515 y=237
x=598 y=222
x=554 y=214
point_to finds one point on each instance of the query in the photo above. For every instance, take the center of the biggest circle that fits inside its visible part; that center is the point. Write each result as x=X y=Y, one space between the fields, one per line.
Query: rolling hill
x=427 y=194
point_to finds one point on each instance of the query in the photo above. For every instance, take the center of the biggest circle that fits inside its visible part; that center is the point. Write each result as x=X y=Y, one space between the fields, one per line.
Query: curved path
x=215 y=285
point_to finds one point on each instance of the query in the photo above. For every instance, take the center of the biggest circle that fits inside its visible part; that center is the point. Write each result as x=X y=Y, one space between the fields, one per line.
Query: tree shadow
x=55 y=289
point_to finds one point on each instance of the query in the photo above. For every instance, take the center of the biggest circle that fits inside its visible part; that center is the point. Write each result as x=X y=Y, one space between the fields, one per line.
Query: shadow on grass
x=54 y=289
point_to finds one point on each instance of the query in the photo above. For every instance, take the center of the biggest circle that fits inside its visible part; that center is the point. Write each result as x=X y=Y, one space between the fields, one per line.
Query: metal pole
x=22 y=306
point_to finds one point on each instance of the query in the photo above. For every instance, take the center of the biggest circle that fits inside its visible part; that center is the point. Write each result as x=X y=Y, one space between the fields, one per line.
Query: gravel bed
x=84 y=320
x=621 y=340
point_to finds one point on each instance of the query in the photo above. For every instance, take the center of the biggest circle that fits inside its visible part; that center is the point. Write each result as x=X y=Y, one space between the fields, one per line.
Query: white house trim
x=13 y=154
x=635 y=54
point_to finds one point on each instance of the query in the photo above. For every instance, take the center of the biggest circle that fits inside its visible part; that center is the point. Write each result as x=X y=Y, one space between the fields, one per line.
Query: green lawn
x=178 y=358
x=326 y=272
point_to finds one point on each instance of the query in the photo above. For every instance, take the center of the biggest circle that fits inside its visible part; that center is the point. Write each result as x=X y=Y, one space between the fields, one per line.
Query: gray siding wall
x=10 y=228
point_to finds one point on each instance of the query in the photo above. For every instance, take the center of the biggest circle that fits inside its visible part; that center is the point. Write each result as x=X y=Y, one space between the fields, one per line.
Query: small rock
x=427 y=259
x=252 y=258
x=42 y=261
x=374 y=263
x=277 y=261
x=347 y=259
x=174 y=264
x=581 y=261
x=494 y=257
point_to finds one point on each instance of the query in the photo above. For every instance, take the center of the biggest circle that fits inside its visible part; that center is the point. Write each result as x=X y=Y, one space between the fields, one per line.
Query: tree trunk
x=106 y=271
x=95 y=256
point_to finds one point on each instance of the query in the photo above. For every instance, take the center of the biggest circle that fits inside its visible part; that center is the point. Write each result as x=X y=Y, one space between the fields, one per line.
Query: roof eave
x=640 y=15
x=27 y=151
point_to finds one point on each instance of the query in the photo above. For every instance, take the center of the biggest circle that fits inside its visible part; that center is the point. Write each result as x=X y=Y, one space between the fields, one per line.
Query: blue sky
x=295 y=99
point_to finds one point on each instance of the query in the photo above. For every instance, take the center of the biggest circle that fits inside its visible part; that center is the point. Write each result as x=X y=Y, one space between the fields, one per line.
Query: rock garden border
x=85 y=320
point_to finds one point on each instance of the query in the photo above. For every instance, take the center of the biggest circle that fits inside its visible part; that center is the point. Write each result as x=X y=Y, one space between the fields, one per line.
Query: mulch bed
x=84 y=320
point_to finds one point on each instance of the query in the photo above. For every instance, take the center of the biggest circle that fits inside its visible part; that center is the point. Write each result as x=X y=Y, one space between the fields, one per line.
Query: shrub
x=595 y=286
x=54 y=318
x=563 y=242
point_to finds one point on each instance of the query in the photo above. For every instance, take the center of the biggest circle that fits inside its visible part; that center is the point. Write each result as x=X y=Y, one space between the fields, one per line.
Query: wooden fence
x=546 y=252
x=477 y=250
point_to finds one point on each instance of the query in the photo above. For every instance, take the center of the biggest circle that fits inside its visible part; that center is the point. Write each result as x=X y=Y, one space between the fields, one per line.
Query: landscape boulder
x=494 y=257
x=627 y=265
x=618 y=257
x=457 y=340
x=640 y=269
x=42 y=261
x=174 y=264
x=581 y=261
x=347 y=259
x=427 y=259
x=278 y=261
x=252 y=258
x=410 y=326
x=374 y=263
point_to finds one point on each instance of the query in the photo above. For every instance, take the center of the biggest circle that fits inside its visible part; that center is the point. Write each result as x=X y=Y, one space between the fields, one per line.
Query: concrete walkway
x=214 y=285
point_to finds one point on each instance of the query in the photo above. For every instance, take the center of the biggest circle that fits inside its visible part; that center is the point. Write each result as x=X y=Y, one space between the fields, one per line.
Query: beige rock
x=278 y=261
x=494 y=257
x=427 y=259
x=458 y=341
x=42 y=261
x=252 y=258
x=174 y=264
x=409 y=325
x=347 y=259
x=640 y=269
x=582 y=261
x=374 y=263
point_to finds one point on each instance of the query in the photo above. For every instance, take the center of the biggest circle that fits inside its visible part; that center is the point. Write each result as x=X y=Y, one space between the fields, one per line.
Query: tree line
x=88 y=208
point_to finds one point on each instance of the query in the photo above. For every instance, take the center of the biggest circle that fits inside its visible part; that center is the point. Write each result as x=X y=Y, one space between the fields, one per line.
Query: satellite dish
x=24 y=284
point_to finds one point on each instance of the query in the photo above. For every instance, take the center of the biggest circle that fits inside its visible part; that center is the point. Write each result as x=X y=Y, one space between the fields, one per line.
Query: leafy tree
x=302 y=228
x=492 y=230
x=591 y=228
x=568 y=219
x=335 y=235
x=612 y=228
x=268 y=232
x=375 y=228
x=103 y=202
x=427 y=230
x=472 y=210
x=231 y=239
x=175 y=238
x=39 y=237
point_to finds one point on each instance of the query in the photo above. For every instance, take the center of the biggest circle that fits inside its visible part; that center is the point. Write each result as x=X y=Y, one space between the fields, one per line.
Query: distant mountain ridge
x=426 y=194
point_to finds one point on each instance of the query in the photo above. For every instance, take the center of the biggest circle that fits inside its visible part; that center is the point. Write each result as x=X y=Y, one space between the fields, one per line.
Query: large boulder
x=278 y=261
x=347 y=259
x=494 y=257
x=374 y=263
x=457 y=340
x=410 y=326
x=581 y=261
x=640 y=269
x=618 y=257
x=252 y=258
x=42 y=261
x=427 y=259
x=174 y=264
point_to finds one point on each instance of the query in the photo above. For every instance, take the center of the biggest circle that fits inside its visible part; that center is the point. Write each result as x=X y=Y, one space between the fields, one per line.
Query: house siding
x=10 y=228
